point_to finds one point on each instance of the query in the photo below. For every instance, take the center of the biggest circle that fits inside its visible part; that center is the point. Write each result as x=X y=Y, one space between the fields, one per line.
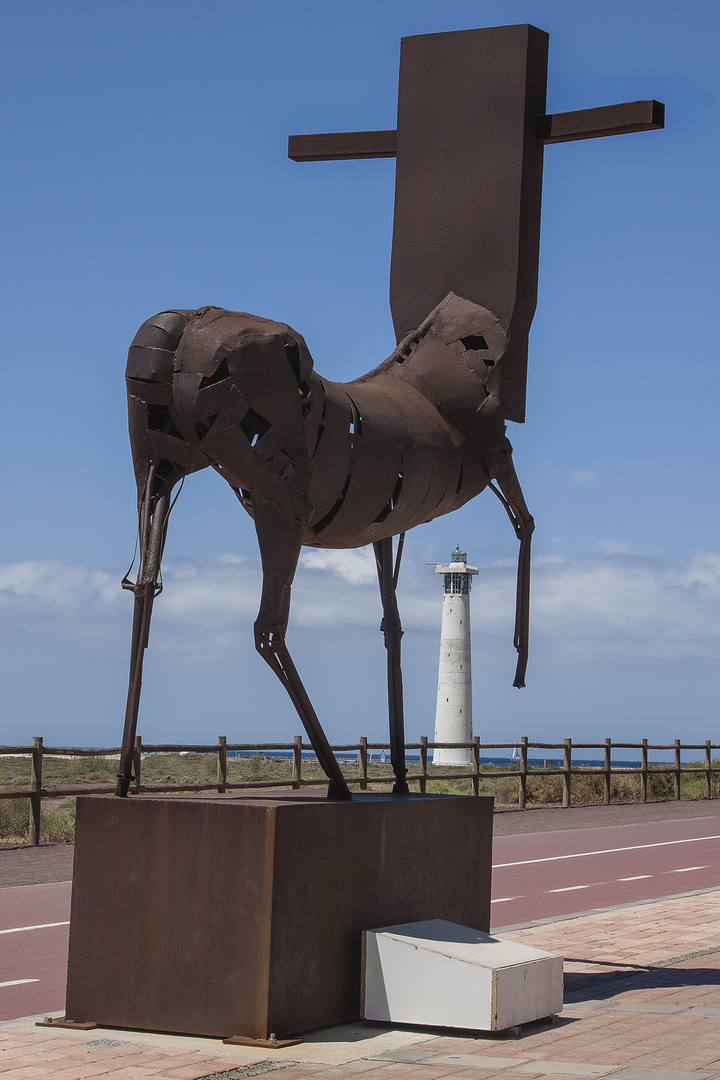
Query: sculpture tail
x=511 y=496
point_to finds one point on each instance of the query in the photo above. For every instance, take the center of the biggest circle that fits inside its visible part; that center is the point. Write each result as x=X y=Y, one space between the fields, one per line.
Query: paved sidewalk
x=642 y=1003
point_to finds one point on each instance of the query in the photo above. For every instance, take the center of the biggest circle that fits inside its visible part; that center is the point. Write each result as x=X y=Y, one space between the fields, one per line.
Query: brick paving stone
x=356 y=1069
x=417 y=1072
x=200 y=1068
x=26 y=1072
x=352 y=1068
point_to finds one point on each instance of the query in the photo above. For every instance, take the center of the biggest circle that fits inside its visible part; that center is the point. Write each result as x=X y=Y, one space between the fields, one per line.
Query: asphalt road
x=536 y=875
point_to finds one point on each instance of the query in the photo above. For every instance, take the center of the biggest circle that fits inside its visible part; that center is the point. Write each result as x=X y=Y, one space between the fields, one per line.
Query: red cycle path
x=540 y=876
x=38 y=954
x=592 y=868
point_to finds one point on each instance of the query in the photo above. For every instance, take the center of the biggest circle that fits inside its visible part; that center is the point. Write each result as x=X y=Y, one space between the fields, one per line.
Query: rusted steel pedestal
x=243 y=916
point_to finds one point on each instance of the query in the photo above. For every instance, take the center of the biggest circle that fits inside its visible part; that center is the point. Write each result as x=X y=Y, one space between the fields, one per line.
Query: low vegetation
x=82 y=773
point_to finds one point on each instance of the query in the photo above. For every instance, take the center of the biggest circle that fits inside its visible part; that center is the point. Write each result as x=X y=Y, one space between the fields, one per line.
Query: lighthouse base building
x=453 y=714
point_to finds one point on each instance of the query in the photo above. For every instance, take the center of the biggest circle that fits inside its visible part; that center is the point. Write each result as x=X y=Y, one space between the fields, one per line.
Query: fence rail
x=525 y=769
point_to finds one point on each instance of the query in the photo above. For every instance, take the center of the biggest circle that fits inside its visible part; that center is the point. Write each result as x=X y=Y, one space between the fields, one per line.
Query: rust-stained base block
x=270 y=1044
x=242 y=916
x=61 y=1022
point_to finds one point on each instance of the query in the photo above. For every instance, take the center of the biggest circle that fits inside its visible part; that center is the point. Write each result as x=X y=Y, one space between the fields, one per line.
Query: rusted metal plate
x=231 y=916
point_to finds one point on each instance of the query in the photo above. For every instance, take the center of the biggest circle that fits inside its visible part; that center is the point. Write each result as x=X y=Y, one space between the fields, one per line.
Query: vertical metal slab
x=469 y=182
x=170 y=917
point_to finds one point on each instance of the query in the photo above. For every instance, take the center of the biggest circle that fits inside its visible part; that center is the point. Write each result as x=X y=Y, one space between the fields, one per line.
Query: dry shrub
x=58 y=823
x=504 y=789
x=14 y=819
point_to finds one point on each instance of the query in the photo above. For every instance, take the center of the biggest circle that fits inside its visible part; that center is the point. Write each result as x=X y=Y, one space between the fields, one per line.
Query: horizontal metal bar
x=618 y=119
x=606 y=120
x=342 y=145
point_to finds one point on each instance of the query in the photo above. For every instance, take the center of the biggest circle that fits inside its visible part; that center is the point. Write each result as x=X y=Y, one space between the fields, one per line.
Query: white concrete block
x=440 y=974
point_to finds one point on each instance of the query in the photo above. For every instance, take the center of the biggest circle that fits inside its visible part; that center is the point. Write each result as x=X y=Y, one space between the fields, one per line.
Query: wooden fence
x=520 y=769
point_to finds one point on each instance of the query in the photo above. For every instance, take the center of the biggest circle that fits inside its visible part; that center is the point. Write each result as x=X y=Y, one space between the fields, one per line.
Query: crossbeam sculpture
x=342 y=465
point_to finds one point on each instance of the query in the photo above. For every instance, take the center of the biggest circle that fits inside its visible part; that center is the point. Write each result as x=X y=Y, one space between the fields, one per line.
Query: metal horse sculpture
x=345 y=464
x=319 y=463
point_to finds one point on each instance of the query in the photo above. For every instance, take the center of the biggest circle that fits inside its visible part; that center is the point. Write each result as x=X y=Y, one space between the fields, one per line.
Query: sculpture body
x=315 y=462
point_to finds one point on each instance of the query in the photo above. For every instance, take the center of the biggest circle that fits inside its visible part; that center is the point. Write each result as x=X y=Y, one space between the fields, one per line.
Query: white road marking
x=605 y=851
x=684 y=869
x=503 y=899
x=40 y=926
x=570 y=888
x=17 y=982
x=638 y=877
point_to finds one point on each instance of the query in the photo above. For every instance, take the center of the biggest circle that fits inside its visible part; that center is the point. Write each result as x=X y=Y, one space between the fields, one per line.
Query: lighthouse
x=453 y=714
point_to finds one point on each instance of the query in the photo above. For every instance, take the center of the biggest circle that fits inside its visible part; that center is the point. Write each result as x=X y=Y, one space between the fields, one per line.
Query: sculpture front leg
x=153 y=510
x=392 y=630
x=280 y=538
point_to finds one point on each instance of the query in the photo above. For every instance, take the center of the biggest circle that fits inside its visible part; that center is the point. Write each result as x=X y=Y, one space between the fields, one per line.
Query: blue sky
x=145 y=167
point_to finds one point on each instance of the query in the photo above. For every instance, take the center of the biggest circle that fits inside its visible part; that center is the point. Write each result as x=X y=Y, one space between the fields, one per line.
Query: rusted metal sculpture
x=342 y=465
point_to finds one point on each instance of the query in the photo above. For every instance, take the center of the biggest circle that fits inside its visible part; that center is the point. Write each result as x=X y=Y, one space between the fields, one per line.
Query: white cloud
x=614 y=547
x=53 y=587
x=213 y=594
x=663 y=611
x=595 y=606
x=354 y=565
x=584 y=476
x=636 y=630
x=592 y=603
x=702 y=570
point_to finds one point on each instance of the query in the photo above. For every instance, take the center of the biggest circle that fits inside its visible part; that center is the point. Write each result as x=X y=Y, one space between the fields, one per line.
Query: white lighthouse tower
x=453 y=715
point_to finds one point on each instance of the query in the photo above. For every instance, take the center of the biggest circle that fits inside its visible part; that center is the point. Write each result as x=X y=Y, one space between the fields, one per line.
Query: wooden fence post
x=677 y=768
x=423 y=763
x=708 y=766
x=297 y=761
x=476 y=765
x=36 y=787
x=644 y=771
x=522 y=787
x=137 y=751
x=222 y=764
x=363 y=762
x=567 y=772
x=606 y=771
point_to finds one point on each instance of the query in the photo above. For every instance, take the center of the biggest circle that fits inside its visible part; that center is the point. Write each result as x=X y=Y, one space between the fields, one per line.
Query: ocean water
x=380 y=755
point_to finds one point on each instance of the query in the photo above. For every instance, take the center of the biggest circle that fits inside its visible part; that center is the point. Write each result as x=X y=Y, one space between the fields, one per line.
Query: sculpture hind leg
x=154 y=510
x=280 y=538
x=393 y=631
